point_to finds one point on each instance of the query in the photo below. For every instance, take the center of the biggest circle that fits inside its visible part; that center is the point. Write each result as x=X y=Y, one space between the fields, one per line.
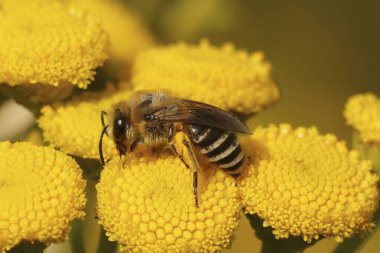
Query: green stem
x=373 y=154
x=272 y=245
x=76 y=241
x=92 y=169
x=356 y=243
x=82 y=229
x=369 y=151
x=105 y=245
x=28 y=247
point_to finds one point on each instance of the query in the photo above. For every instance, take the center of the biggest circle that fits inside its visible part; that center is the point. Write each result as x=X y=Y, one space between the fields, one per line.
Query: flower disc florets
x=146 y=203
x=42 y=42
x=243 y=81
x=41 y=192
x=75 y=126
x=127 y=35
x=302 y=183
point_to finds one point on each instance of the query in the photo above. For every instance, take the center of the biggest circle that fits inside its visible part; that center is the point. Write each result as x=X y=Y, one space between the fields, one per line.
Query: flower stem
x=367 y=151
x=272 y=245
x=105 y=245
x=76 y=240
x=28 y=247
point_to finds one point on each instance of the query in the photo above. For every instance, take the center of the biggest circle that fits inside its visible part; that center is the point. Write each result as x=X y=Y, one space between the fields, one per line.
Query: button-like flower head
x=146 y=203
x=75 y=127
x=302 y=183
x=362 y=112
x=42 y=42
x=41 y=192
x=224 y=77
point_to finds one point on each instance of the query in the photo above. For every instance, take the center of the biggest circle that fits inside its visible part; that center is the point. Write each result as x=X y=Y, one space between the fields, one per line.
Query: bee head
x=120 y=127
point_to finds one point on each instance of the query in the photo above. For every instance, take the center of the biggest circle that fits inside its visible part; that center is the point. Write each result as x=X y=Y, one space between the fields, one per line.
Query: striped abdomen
x=221 y=147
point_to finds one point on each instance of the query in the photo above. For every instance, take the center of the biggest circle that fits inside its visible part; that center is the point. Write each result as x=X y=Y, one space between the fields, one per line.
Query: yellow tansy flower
x=146 y=203
x=41 y=192
x=302 y=183
x=42 y=42
x=362 y=112
x=126 y=33
x=75 y=126
x=224 y=77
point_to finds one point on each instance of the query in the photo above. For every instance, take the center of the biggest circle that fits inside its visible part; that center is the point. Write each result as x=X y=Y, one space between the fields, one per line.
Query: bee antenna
x=101 y=145
x=102 y=119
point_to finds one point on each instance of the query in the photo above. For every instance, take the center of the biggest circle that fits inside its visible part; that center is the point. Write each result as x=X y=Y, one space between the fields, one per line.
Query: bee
x=153 y=118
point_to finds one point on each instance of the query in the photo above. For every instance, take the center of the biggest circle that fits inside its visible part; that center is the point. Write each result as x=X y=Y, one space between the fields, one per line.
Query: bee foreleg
x=195 y=166
x=179 y=155
x=134 y=144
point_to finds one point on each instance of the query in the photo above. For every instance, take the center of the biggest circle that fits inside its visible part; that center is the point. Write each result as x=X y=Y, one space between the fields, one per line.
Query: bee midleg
x=195 y=166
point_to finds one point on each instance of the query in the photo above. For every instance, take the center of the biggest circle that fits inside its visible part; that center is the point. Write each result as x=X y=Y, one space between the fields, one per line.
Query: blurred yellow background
x=322 y=52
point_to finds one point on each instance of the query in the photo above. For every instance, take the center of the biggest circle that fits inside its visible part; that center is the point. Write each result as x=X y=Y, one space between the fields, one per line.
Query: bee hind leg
x=170 y=140
x=195 y=166
x=180 y=156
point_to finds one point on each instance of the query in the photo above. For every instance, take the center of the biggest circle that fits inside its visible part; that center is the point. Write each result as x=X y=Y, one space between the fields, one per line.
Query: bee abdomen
x=219 y=146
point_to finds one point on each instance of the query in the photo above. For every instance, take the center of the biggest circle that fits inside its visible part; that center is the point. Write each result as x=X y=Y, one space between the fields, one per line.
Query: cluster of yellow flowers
x=299 y=182
x=51 y=46
x=167 y=220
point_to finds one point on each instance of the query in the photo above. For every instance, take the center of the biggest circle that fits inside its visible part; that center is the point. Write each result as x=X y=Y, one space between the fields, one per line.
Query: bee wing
x=192 y=112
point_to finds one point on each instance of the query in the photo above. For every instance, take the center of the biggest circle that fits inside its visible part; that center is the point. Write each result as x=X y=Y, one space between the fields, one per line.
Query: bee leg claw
x=195 y=186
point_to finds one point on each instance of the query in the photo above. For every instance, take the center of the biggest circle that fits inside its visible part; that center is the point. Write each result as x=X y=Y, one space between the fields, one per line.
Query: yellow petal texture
x=146 y=203
x=302 y=183
x=41 y=192
x=75 y=126
x=362 y=112
x=126 y=32
x=222 y=76
x=43 y=42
